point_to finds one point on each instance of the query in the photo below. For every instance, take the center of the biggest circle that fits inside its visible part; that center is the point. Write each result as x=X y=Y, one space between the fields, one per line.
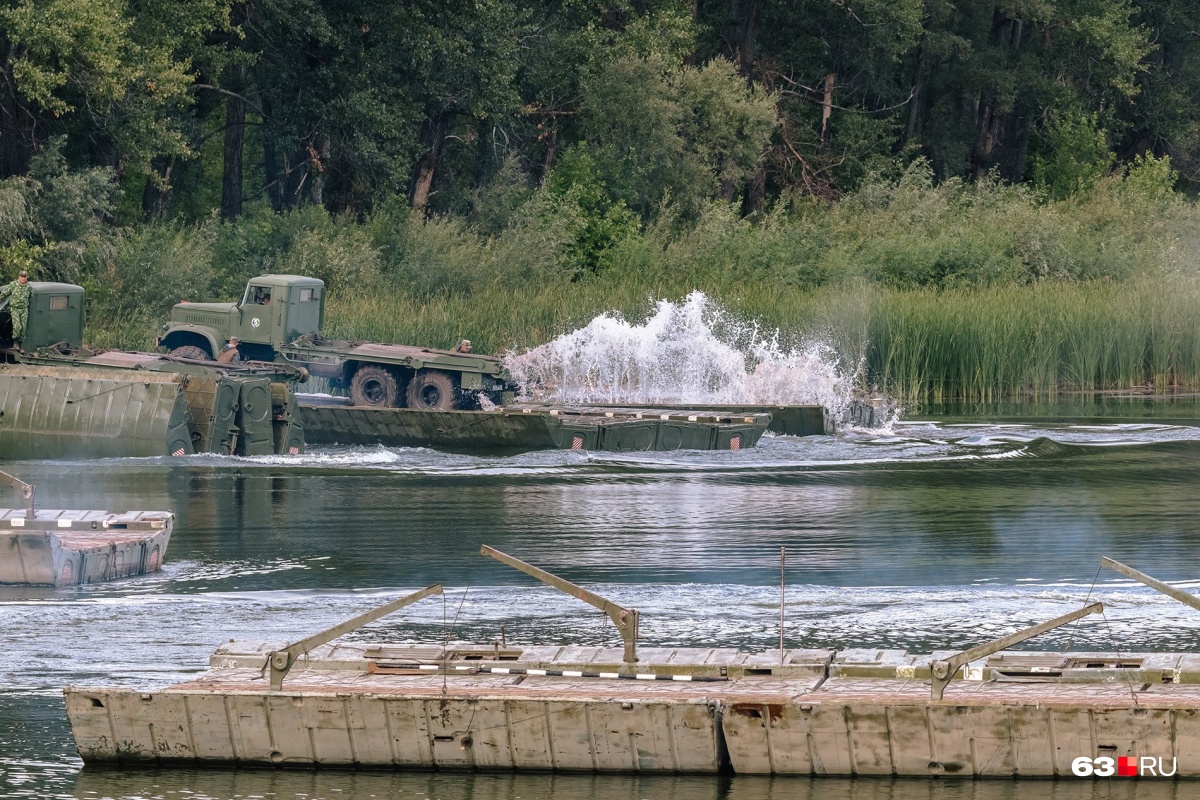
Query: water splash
x=691 y=352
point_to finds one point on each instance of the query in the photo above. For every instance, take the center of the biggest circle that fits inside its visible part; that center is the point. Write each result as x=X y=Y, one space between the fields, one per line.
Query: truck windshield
x=257 y=295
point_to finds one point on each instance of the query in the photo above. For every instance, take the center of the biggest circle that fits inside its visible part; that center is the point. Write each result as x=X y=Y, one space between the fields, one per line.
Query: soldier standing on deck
x=17 y=292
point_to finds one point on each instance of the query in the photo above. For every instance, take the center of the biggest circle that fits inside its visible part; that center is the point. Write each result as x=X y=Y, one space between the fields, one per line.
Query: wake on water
x=689 y=353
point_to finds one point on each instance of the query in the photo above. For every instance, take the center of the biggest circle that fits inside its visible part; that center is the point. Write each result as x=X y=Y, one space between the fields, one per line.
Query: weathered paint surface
x=531 y=428
x=77 y=411
x=418 y=729
x=877 y=727
x=66 y=412
x=813 y=712
x=68 y=548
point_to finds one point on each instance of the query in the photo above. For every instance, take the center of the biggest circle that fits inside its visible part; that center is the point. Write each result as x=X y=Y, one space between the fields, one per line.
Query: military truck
x=60 y=399
x=55 y=315
x=279 y=318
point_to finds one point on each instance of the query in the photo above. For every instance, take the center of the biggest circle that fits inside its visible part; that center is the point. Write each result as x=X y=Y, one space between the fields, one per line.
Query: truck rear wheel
x=374 y=386
x=432 y=390
x=191 y=351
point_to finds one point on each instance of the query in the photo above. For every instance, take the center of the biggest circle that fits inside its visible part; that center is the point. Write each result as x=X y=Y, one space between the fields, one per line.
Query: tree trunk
x=914 y=102
x=424 y=173
x=271 y=171
x=15 y=127
x=1022 y=155
x=235 y=135
x=827 y=109
x=756 y=193
x=741 y=34
x=551 y=149
x=156 y=196
x=988 y=133
x=295 y=169
x=318 y=161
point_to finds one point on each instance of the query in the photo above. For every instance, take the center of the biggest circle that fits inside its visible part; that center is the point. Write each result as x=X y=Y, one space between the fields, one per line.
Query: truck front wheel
x=374 y=386
x=431 y=390
x=191 y=351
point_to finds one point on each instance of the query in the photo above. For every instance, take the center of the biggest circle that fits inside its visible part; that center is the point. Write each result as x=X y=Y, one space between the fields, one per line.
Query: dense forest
x=507 y=168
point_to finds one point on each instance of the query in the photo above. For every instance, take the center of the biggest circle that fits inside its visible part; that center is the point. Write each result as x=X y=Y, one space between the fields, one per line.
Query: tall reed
x=976 y=344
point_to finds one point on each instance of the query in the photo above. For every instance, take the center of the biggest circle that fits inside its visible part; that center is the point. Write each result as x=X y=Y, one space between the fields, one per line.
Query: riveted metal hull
x=69 y=548
x=56 y=412
x=329 y=422
x=61 y=411
x=802 y=712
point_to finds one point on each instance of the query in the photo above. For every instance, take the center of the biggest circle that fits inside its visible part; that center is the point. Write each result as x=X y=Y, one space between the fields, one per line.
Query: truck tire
x=191 y=351
x=431 y=390
x=374 y=386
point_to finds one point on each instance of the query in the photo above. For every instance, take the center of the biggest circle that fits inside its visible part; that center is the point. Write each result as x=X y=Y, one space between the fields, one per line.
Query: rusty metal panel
x=868 y=736
x=88 y=712
x=57 y=413
x=133 y=717
x=170 y=735
x=328 y=729
x=487 y=738
x=528 y=730
x=966 y=740
x=251 y=737
x=408 y=729
x=449 y=724
x=26 y=558
x=282 y=721
x=370 y=739
x=287 y=426
x=201 y=395
x=208 y=721
x=255 y=435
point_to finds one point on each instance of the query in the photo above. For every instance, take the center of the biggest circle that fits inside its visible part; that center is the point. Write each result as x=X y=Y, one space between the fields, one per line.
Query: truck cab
x=274 y=310
x=55 y=316
x=279 y=318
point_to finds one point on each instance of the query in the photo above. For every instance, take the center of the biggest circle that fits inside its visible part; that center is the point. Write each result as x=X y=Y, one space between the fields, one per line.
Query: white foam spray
x=691 y=352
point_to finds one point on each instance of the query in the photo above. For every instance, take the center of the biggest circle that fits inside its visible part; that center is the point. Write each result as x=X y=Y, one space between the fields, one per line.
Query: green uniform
x=18 y=305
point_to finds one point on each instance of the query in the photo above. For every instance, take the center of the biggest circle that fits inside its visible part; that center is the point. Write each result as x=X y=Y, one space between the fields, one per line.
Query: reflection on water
x=928 y=535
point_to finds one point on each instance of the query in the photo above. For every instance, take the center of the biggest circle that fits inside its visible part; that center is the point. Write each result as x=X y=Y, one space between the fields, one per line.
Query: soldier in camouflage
x=17 y=292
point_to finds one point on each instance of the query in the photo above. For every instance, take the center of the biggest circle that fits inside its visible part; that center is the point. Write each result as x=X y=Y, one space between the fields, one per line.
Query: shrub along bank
x=942 y=291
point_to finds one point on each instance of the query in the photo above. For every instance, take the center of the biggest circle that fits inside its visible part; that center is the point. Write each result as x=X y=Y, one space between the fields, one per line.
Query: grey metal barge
x=987 y=711
x=522 y=427
x=67 y=548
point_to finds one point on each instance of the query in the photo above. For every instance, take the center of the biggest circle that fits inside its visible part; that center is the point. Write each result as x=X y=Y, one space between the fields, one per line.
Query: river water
x=938 y=532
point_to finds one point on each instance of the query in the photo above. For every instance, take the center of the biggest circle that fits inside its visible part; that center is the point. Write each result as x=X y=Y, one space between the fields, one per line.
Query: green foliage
x=876 y=157
x=115 y=73
x=1151 y=180
x=131 y=286
x=660 y=131
x=50 y=218
x=597 y=223
x=1076 y=156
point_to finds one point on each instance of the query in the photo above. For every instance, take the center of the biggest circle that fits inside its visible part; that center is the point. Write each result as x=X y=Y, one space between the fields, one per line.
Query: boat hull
x=813 y=712
x=70 y=548
x=526 y=427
